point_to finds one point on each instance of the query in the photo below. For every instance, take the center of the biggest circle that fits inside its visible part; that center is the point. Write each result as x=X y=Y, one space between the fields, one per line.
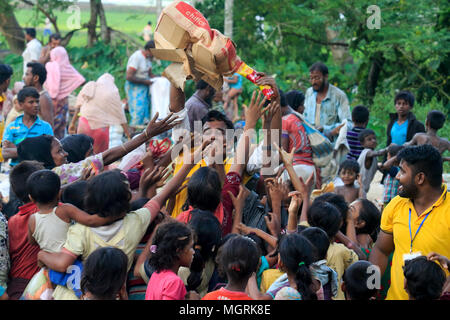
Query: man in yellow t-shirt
x=417 y=221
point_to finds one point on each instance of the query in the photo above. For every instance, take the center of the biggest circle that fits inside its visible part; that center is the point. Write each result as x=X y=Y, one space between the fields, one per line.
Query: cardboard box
x=183 y=36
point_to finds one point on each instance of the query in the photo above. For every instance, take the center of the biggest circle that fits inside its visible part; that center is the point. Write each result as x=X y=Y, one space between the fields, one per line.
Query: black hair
x=424 y=158
x=350 y=165
x=319 y=66
x=296 y=253
x=104 y=273
x=37 y=148
x=5 y=72
x=31 y=32
x=424 y=278
x=27 y=92
x=295 y=99
x=19 y=175
x=259 y=242
x=436 y=119
x=394 y=149
x=365 y=133
x=55 y=36
x=207 y=236
x=215 y=115
x=201 y=85
x=326 y=216
x=405 y=95
x=370 y=214
x=74 y=194
x=77 y=145
x=319 y=239
x=283 y=100
x=149 y=22
x=360 y=114
x=339 y=202
x=356 y=278
x=38 y=69
x=239 y=258
x=204 y=189
x=43 y=186
x=108 y=194
x=169 y=239
x=221 y=272
x=149 y=45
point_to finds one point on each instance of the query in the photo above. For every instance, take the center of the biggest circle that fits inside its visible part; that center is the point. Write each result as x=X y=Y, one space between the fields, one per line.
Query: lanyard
x=410 y=232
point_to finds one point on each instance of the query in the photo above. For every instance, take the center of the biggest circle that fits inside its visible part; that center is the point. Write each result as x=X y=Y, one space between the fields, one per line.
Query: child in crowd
x=208 y=235
x=104 y=274
x=319 y=268
x=424 y=279
x=356 y=281
x=368 y=158
x=435 y=121
x=50 y=225
x=360 y=119
x=74 y=194
x=325 y=216
x=364 y=217
x=172 y=248
x=390 y=182
x=23 y=254
x=295 y=258
x=239 y=258
x=349 y=173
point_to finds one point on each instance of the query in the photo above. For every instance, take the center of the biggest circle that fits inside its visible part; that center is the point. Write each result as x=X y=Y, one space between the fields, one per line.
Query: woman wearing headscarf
x=62 y=80
x=99 y=106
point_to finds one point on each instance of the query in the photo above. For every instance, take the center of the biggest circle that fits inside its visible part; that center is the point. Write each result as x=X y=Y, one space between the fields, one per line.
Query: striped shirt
x=353 y=143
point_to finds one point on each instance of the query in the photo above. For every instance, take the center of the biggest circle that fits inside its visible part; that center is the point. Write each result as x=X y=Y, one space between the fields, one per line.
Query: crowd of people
x=178 y=211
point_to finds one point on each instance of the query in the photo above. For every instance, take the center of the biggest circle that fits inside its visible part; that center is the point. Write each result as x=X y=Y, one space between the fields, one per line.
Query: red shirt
x=298 y=139
x=23 y=255
x=224 y=294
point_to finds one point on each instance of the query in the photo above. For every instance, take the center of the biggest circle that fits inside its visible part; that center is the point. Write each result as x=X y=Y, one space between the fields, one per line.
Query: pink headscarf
x=100 y=103
x=62 y=78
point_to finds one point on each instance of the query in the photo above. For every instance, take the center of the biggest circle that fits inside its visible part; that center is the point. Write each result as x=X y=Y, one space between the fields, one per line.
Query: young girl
x=104 y=275
x=208 y=235
x=172 y=248
x=239 y=258
x=295 y=258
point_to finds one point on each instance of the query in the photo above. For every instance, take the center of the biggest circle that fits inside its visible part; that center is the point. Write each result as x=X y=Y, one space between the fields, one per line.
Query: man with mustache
x=326 y=106
x=417 y=221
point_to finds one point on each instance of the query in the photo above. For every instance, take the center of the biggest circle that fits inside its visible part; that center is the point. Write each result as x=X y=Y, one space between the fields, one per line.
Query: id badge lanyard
x=410 y=232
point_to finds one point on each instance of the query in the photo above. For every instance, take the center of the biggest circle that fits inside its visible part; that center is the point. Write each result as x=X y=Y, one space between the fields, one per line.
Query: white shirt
x=32 y=52
x=139 y=62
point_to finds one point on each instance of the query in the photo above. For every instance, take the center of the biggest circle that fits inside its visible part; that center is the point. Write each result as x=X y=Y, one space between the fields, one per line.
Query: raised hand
x=255 y=110
x=155 y=128
x=239 y=201
x=286 y=157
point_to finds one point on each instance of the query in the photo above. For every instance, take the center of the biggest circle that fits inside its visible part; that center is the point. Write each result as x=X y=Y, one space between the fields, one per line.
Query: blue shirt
x=17 y=131
x=333 y=110
x=398 y=132
x=238 y=84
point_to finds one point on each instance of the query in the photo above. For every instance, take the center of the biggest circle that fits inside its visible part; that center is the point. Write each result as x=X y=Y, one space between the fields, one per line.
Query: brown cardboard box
x=183 y=35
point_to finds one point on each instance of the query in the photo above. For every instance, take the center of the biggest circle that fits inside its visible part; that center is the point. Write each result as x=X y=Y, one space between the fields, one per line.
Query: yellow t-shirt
x=434 y=235
x=339 y=258
x=182 y=196
x=268 y=277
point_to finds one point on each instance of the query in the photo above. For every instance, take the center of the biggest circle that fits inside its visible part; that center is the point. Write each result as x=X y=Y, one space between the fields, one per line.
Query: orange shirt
x=224 y=294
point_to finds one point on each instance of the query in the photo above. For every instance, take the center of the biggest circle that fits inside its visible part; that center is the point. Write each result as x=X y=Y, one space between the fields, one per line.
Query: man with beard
x=417 y=221
x=199 y=104
x=35 y=76
x=326 y=106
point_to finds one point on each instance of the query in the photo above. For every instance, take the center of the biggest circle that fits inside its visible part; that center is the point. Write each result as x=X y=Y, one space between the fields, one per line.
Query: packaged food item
x=250 y=74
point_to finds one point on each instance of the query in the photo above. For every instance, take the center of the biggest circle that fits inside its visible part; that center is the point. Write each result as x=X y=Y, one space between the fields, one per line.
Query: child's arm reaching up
x=68 y=212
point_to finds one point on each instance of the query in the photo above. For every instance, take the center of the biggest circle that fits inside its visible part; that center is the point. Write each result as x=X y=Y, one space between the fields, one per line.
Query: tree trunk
x=374 y=74
x=105 y=31
x=12 y=31
x=228 y=23
x=92 y=24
